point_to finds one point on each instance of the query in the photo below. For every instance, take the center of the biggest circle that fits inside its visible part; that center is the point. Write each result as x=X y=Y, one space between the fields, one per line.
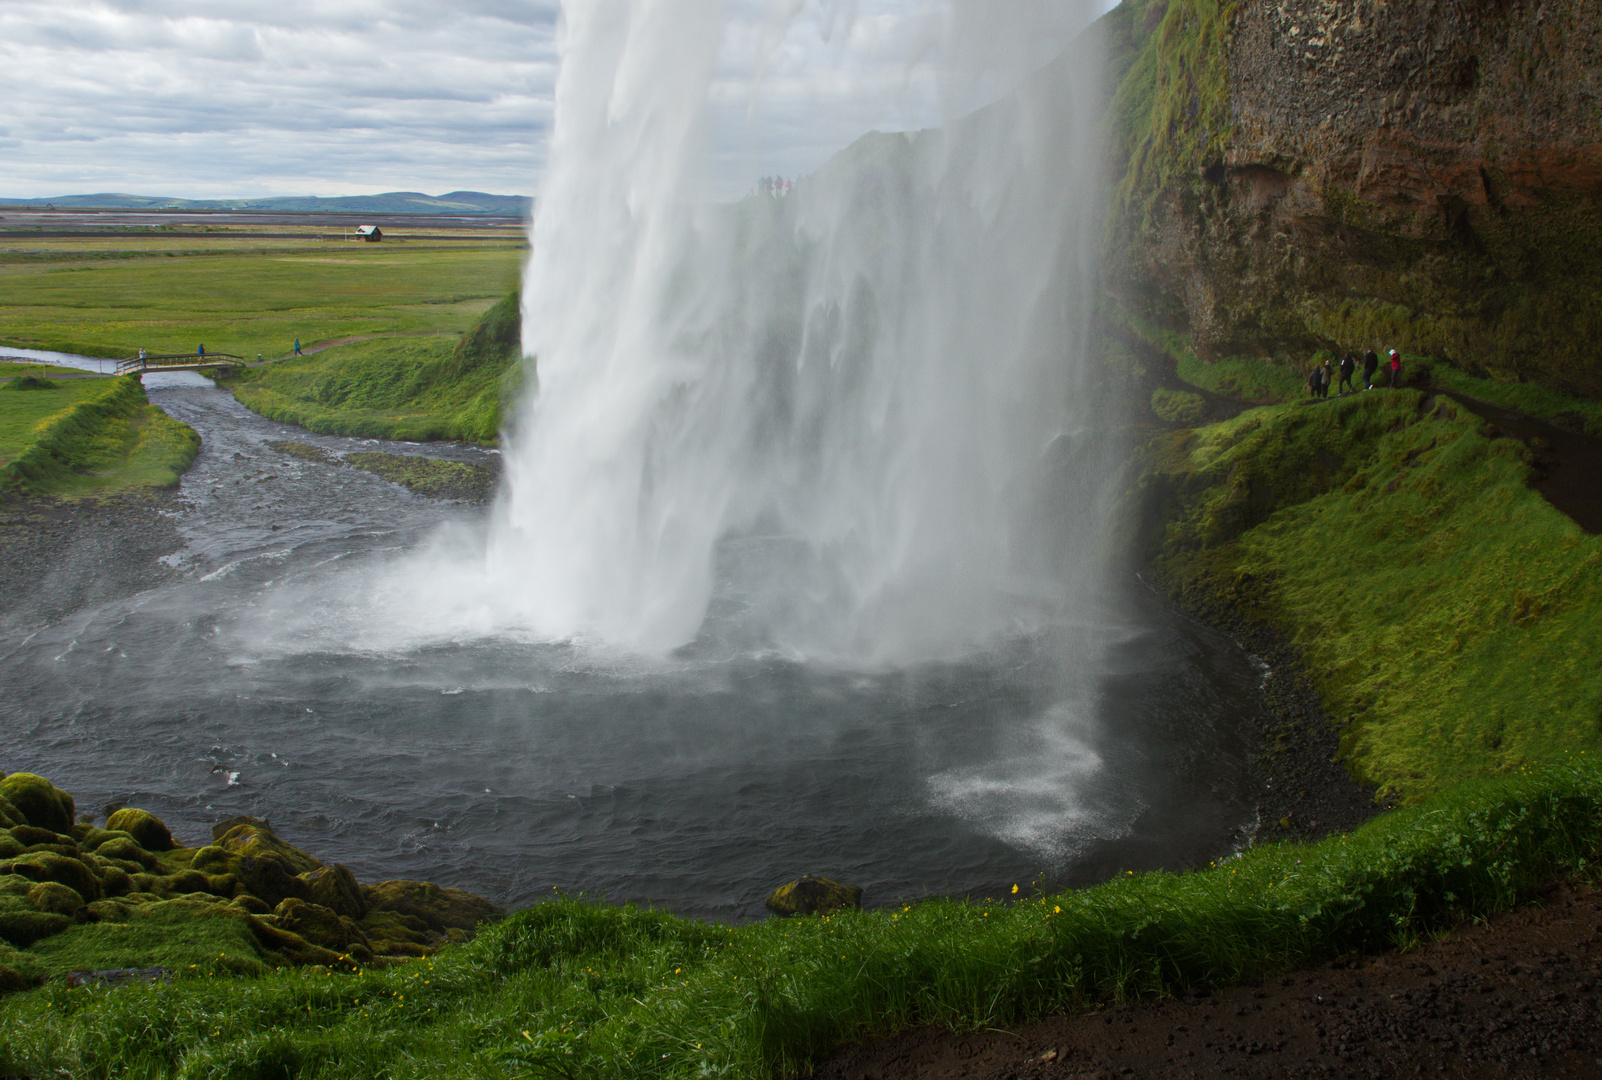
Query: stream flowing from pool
x=698 y=780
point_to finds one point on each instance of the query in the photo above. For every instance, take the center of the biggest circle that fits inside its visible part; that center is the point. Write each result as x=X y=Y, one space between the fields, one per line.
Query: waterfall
x=854 y=421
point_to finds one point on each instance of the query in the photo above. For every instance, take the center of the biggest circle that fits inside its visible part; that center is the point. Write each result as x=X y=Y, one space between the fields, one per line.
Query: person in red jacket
x=1396 y=369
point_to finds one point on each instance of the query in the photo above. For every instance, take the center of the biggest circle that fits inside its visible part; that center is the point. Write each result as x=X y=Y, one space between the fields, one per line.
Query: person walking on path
x=297 y=347
x=1396 y=370
x=1329 y=377
x=1370 y=365
x=1348 y=369
x=1315 y=381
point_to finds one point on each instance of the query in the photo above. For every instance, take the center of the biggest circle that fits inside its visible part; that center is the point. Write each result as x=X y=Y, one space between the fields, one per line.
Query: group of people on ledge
x=1322 y=375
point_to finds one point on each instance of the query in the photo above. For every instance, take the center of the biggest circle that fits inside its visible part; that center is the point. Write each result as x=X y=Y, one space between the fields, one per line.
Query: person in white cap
x=1396 y=369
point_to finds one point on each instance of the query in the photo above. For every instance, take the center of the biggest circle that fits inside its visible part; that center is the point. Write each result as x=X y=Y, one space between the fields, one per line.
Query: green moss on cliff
x=1170 y=112
x=1448 y=614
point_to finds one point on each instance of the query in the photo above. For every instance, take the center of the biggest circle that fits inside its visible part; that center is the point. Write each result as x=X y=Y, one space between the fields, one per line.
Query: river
x=512 y=767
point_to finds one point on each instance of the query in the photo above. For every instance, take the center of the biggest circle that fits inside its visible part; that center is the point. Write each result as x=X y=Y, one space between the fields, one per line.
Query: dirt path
x=1516 y=997
x=319 y=347
x=1568 y=463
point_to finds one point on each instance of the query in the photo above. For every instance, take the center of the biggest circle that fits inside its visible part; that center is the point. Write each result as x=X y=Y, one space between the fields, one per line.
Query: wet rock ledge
x=57 y=872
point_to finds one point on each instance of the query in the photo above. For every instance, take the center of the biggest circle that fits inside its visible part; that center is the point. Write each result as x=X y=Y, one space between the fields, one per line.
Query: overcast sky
x=241 y=98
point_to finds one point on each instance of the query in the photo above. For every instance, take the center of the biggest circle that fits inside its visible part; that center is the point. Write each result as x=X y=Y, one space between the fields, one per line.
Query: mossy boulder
x=323 y=927
x=13 y=981
x=439 y=909
x=62 y=869
x=256 y=840
x=334 y=887
x=813 y=895
x=147 y=830
x=40 y=802
x=33 y=836
x=124 y=849
x=10 y=816
x=55 y=897
x=10 y=847
x=22 y=928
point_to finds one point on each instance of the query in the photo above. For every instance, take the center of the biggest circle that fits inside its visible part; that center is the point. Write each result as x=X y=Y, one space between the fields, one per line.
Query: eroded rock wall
x=1426 y=175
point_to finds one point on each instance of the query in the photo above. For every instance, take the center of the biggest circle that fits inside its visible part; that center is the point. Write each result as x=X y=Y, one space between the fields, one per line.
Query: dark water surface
x=512 y=767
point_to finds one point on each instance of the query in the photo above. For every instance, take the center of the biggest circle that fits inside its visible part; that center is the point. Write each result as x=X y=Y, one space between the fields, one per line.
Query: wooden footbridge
x=179 y=362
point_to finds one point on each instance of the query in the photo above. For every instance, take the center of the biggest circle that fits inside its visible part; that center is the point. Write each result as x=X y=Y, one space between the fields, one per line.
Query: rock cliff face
x=1425 y=175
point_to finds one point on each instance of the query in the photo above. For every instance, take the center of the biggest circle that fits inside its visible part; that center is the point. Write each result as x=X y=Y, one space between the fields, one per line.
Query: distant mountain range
x=391 y=202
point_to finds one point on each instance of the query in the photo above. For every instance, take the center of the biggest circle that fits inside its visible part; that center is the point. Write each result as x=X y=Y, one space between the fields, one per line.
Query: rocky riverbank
x=63 y=876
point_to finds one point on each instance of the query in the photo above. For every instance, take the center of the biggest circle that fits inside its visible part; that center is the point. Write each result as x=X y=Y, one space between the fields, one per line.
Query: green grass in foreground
x=89 y=436
x=1448 y=614
x=571 y=989
x=240 y=296
x=433 y=388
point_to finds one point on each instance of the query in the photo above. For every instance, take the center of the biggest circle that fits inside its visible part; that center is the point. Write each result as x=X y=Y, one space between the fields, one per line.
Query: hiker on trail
x=1396 y=370
x=1348 y=369
x=1370 y=365
x=1329 y=377
x=297 y=347
x=1315 y=381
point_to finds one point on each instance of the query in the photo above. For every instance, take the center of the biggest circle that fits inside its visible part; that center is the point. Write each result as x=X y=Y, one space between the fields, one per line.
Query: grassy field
x=113 y=295
x=397 y=388
x=88 y=436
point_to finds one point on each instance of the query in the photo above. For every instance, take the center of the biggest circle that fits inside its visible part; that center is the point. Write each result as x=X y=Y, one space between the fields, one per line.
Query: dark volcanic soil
x=1517 y=997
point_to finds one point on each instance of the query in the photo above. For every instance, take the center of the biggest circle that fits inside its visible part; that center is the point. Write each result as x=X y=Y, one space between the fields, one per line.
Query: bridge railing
x=177 y=362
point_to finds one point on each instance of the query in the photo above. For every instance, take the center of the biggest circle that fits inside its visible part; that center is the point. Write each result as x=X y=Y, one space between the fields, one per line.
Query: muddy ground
x=1519 y=996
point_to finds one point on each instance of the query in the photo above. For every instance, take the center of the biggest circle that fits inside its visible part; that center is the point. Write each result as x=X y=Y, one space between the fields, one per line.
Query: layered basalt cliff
x=1304 y=174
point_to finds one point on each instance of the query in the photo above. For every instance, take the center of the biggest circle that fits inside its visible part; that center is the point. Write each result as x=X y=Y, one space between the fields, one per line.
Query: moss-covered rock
x=115 y=881
x=10 y=816
x=438 y=908
x=55 y=897
x=33 y=836
x=12 y=981
x=62 y=869
x=10 y=848
x=22 y=928
x=334 y=887
x=147 y=830
x=124 y=849
x=323 y=927
x=40 y=802
x=813 y=895
x=256 y=840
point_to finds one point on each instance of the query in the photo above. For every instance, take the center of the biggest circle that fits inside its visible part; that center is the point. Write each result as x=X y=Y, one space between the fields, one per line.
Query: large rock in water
x=813 y=895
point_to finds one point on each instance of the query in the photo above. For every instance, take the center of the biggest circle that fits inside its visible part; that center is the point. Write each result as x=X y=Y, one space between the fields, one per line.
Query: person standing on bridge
x=141 y=356
x=201 y=352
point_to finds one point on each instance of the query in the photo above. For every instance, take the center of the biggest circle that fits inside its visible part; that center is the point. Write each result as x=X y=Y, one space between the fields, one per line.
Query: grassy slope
x=112 y=297
x=397 y=389
x=89 y=436
x=1447 y=612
